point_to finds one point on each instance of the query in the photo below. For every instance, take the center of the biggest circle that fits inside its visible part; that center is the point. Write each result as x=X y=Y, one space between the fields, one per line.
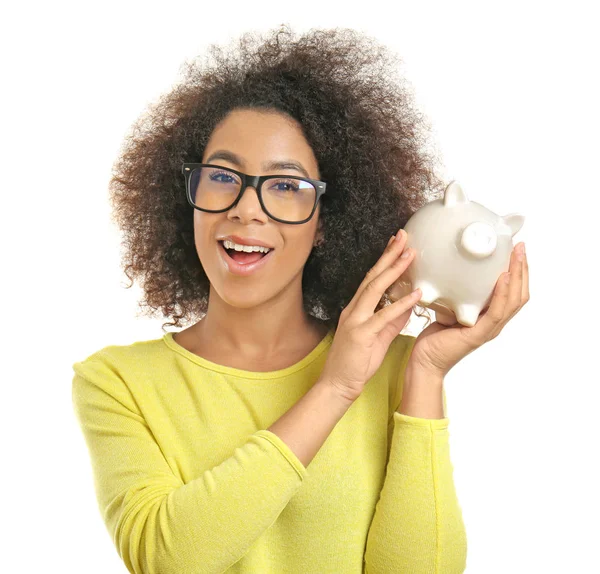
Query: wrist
x=422 y=395
x=338 y=394
x=423 y=376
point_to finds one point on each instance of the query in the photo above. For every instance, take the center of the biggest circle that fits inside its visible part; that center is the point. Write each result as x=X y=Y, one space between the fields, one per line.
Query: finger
x=391 y=313
x=525 y=286
x=492 y=321
x=445 y=318
x=374 y=290
x=391 y=253
x=516 y=284
x=393 y=328
x=511 y=295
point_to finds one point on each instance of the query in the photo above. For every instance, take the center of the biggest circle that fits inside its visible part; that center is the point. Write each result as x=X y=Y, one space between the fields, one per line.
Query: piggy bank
x=461 y=249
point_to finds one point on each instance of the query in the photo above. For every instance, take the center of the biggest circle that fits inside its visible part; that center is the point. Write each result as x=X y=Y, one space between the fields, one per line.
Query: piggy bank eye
x=479 y=239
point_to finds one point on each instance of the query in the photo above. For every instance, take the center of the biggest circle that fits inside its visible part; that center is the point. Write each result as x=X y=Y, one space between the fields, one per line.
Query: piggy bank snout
x=479 y=239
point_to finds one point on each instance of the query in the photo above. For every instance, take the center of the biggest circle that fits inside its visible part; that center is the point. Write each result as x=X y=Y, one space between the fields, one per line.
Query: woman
x=292 y=428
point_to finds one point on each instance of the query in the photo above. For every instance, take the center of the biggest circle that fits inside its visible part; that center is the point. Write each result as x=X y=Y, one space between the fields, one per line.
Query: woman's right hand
x=363 y=337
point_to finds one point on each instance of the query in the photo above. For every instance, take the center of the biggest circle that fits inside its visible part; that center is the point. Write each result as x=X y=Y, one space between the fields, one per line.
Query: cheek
x=298 y=249
x=204 y=235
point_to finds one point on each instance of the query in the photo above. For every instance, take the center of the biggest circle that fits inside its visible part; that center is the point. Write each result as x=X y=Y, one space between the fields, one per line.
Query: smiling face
x=257 y=138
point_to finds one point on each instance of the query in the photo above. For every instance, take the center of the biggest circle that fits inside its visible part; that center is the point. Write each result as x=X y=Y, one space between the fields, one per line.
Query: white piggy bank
x=461 y=249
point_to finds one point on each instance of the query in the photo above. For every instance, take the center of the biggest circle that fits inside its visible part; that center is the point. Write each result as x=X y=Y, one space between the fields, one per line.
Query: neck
x=262 y=331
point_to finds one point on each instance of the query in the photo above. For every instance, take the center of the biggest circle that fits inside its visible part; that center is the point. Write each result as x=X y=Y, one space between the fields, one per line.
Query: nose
x=479 y=239
x=249 y=204
x=247 y=192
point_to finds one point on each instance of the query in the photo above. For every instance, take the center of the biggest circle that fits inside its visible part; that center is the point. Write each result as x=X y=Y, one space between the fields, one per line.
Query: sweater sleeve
x=418 y=525
x=158 y=524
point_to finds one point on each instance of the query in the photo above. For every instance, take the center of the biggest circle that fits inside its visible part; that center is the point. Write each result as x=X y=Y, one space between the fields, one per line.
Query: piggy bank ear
x=514 y=221
x=454 y=195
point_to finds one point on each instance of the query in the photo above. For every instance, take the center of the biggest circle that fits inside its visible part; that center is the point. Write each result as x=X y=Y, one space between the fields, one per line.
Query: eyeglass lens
x=287 y=198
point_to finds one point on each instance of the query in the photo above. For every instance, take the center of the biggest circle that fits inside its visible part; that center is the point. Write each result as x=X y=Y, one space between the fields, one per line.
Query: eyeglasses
x=284 y=198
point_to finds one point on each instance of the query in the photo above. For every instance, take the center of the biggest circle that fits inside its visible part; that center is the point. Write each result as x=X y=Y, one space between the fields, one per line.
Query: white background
x=511 y=90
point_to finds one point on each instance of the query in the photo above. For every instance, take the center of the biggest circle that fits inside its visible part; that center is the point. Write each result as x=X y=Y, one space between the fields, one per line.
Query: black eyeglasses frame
x=254 y=181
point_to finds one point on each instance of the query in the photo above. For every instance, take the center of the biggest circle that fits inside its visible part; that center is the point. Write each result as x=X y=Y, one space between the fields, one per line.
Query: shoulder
x=108 y=368
x=121 y=355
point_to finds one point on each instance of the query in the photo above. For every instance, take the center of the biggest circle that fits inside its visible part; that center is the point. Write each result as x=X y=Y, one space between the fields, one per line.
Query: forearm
x=306 y=426
x=422 y=395
x=418 y=524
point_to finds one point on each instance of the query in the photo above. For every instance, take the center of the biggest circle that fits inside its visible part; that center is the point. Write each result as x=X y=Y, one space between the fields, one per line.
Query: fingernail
x=405 y=254
x=399 y=235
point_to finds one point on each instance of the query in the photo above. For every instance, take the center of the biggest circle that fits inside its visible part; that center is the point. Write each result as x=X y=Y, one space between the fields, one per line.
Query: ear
x=319 y=236
x=453 y=195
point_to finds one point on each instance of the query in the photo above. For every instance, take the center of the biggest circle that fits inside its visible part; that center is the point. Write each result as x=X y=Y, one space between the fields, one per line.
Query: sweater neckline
x=257 y=375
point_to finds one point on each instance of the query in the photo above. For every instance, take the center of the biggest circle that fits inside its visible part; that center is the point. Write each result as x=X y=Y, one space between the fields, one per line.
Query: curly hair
x=356 y=114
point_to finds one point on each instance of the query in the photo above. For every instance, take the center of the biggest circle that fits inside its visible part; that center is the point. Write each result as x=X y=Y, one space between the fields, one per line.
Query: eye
x=291 y=185
x=214 y=177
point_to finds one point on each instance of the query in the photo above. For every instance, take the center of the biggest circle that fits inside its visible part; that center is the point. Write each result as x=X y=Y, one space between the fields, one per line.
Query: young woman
x=291 y=427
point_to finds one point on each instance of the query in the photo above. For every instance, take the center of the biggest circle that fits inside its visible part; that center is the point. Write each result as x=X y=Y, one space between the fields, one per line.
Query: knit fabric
x=189 y=481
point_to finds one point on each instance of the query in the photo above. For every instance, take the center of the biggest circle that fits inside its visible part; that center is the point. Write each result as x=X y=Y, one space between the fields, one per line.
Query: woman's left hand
x=439 y=347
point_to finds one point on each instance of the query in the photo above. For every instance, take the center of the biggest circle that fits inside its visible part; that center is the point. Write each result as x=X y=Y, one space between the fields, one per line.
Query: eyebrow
x=267 y=166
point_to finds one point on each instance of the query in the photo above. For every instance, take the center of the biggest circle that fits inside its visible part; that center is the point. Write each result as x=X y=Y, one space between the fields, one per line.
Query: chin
x=240 y=297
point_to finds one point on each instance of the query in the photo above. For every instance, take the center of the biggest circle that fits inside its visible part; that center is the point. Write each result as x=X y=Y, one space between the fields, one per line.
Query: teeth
x=248 y=248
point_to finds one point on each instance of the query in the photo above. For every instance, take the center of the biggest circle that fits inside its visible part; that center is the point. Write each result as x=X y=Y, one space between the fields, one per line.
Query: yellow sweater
x=188 y=480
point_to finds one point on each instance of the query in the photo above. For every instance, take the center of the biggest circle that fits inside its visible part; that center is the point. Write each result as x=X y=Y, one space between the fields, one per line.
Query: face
x=257 y=137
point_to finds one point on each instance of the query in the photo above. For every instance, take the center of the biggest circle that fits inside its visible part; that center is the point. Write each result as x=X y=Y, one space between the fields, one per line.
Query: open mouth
x=243 y=257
